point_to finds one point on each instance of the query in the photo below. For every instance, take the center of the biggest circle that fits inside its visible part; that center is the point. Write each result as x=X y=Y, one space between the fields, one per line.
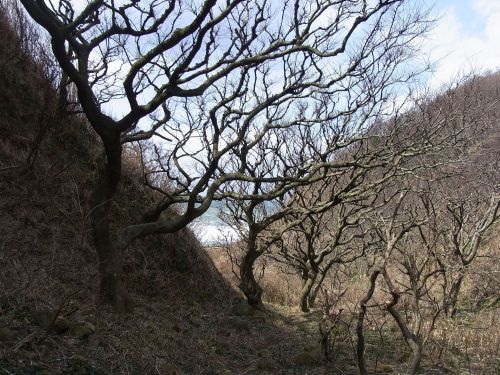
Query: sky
x=466 y=37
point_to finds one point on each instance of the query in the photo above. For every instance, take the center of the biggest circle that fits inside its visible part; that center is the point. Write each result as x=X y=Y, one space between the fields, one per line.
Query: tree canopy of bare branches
x=254 y=91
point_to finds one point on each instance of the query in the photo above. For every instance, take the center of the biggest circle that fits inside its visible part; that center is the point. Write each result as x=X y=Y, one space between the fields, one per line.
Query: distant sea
x=211 y=230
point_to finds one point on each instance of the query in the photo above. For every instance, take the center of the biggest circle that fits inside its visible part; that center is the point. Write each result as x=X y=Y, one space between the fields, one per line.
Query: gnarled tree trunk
x=413 y=340
x=248 y=285
x=416 y=348
x=314 y=293
x=305 y=292
x=452 y=297
x=111 y=288
x=360 y=346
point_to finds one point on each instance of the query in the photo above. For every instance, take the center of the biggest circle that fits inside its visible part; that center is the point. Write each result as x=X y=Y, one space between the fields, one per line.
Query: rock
x=39 y=370
x=219 y=350
x=78 y=366
x=311 y=356
x=227 y=372
x=60 y=326
x=243 y=309
x=82 y=330
x=170 y=370
x=42 y=317
x=194 y=322
x=384 y=368
x=6 y=334
x=306 y=359
x=313 y=348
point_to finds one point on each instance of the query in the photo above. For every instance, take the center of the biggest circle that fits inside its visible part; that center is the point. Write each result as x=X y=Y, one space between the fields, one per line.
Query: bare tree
x=434 y=218
x=463 y=202
x=412 y=271
x=462 y=226
x=341 y=191
x=220 y=83
x=418 y=274
x=251 y=220
x=408 y=273
x=360 y=321
x=323 y=237
x=260 y=224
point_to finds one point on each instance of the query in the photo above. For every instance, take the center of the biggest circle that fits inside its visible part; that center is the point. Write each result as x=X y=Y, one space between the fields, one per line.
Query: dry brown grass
x=280 y=285
x=467 y=344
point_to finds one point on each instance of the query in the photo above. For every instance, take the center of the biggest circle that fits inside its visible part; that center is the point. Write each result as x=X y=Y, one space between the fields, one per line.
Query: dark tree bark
x=111 y=288
x=452 y=297
x=306 y=291
x=248 y=285
x=413 y=340
x=360 y=346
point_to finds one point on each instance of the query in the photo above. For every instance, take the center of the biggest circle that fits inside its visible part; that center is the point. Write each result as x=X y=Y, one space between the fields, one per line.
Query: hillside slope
x=47 y=265
x=186 y=319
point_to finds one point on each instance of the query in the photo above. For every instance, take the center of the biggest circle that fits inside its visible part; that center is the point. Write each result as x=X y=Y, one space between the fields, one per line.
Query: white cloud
x=485 y=7
x=459 y=48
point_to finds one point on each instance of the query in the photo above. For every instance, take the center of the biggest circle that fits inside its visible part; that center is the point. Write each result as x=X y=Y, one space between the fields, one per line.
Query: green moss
x=82 y=330
x=6 y=334
x=243 y=309
x=310 y=356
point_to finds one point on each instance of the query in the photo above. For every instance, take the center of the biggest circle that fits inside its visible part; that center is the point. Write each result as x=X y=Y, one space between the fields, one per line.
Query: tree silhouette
x=259 y=92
